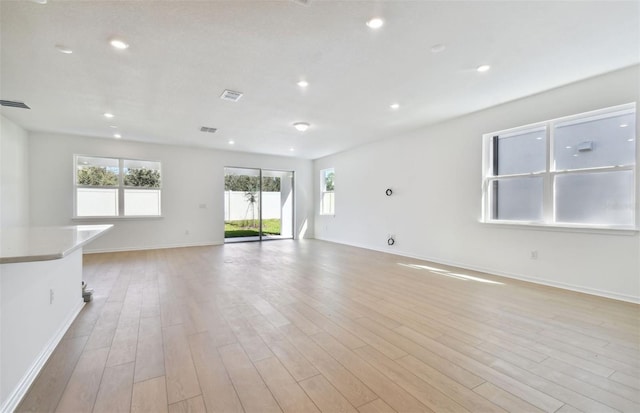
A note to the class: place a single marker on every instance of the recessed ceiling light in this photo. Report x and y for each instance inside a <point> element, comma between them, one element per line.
<point>232,142</point>
<point>567,147</point>
<point>394,106</point>
<point>303,83</point>
<point>539,138</point>
<point>301,126</point>
<point>375,23</point>
<point>483,68</point>
<point>117,135</point>
<point>437,48</point>
<point>291,149</point>
<point>108,115</point>
<point>63,49</point>
<point>119,44</point>
<point>623,125</point>
<point>113,126</point>
<point>39,1</point>
<point>630,140</point>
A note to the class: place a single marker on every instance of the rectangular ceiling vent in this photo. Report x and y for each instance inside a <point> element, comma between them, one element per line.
<point>208,129</point>
<point>303,2</point>
<point>13,104</point>
<point>231,95</point>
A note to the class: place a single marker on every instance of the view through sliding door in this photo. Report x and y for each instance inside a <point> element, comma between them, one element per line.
<point>258,204</point>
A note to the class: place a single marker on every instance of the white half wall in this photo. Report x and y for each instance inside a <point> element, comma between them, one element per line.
<point>14,169</point>
<point>434,212</point>
<point>38,300</point>
<point>192,193</point>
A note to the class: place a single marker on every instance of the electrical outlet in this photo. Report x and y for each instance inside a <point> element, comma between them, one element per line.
<point>51,296</point>
<point>534,254</point>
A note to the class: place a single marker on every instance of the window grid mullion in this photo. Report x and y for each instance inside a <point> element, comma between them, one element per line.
<point>548,204</point>
<point>121,187</point>
<point>98,186</point>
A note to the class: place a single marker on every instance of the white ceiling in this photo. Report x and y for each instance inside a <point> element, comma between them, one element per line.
<point>183,54</point>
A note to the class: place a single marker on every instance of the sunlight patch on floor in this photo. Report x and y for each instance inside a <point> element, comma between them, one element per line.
<point>447,273</point>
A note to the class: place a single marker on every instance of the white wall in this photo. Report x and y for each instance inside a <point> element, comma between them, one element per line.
<point>14,173</point>
<point>435,208</point>
<point>190,177</point>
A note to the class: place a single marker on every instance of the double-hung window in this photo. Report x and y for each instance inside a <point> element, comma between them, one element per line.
<point>577,171</point>
<point>327,194</point>
<point>114,187</point>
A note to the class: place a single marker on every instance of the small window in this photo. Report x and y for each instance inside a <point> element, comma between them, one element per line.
<point>112,187</point>
<point>514,188</point>
<point>573,171</point>
<point>517,199</point>
<point>141,188</point>
<point>327,194</point>
<point>595,198</point>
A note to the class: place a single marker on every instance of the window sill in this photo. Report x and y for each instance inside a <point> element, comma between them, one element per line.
<point>128,218</point>
<point>625,231</point>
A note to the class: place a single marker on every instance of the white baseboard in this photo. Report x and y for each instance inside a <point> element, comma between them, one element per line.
<point>154,247</point>
<point>541,281</point>
<point>492,271</point>
<point>11,403</point>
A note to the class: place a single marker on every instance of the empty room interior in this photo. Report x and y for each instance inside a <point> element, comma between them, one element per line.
<point>319,206</point>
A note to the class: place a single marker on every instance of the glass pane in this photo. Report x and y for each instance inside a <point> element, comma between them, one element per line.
<point>604,198</point>
<point>271,211</point>
<point>525,152</point>
<point>596,141</point>
<point>328,203</point>
<point>242,203</point>
<point>517,199</point>
<point>277,204</point>
<point>327,182</point>
<point>96,171</point>
<point>141,202</point>
<point>97,202</point>
<point>142,174</point>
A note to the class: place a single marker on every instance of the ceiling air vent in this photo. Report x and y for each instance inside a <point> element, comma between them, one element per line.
<point>208,129</point>
<point>231,95</point>
<point>303,2</point>
<point>13,104</point>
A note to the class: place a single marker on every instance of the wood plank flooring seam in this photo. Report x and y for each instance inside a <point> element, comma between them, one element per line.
<point>311,323</point>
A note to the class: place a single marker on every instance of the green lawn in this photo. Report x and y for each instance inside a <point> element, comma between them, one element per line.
<point>233,229</point>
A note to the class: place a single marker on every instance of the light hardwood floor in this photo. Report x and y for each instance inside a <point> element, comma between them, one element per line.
<point>308,326</point>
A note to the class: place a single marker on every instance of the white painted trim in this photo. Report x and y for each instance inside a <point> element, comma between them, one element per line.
<point>153,247</point>
<point>11,403</point>
<point>541,281</point>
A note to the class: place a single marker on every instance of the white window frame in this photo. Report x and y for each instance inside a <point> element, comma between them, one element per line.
<point>549,175</point>
<point>121,189</point>
<point>323,192</point>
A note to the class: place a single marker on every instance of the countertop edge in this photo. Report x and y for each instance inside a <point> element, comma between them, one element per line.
<point>55,255</point>
<point>34,258</point>
<point>86,241</point>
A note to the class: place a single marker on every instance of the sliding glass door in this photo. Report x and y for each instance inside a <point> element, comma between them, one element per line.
<point>258,204</point>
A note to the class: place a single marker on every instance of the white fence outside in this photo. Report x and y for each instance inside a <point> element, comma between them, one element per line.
<point>97,202</point>
<point>237,207</point>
